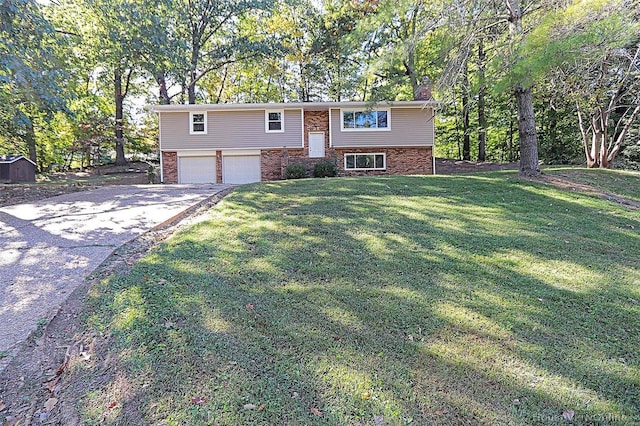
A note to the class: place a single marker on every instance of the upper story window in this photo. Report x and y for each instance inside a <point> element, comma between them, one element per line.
<point>274,121</point>
<point>198,123</point>
<point>379,119</point>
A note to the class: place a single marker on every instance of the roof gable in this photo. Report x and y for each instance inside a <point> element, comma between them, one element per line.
<point>8,159</point>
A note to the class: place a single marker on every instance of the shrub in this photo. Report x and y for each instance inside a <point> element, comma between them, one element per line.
<point>325,169</point>
<point>295,171</point>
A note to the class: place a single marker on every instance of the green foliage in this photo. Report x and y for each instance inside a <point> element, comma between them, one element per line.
<point>325,169</point>
<point>31,73</point>
<point>631,156</point>
<point>295,171</point>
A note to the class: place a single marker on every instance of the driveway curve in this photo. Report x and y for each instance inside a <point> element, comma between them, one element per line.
<point>48,247</point>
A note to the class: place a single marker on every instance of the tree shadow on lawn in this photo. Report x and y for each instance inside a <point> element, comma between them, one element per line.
<point>398,298</point>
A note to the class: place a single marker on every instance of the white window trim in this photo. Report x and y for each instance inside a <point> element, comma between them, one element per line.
<point>191,114</point>
<point>266,120</point>
<point>384,156</point>
<point>364,129</point>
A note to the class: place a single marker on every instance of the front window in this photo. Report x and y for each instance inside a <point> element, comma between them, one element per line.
<point>365,162</point>
<point>198,123</point>
<point>274,121</point>
<point>365,120</point>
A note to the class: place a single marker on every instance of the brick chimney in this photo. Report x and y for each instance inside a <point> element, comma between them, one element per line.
<point>423,91</point>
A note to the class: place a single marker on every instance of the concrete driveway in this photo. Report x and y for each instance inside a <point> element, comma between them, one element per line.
<point>48,247</point>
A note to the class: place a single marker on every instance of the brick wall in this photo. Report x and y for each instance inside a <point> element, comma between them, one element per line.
<point>219,166</point>
<point>316,121</point>
<point>400,161</point>
<point>170,167</point>
<point>274,162</point>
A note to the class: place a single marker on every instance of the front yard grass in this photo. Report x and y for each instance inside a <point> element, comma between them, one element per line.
<point>391,300</point>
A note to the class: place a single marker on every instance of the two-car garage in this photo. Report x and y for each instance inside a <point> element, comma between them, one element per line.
<point>238,167</point>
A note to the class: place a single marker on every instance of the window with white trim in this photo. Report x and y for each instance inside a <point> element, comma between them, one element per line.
<point>274,121</point>
<point>366,120</point>
<point>377,161</point>
<point>198,123</point>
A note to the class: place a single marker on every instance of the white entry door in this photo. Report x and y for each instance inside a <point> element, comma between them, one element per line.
<point>316,145</point>
<point>241,169</point>
<point>197,169</point>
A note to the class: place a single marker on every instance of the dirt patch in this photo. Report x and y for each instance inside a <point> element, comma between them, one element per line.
<point>567,184</point>
<point>54,184</point>
<point>37,386</point>
<point>446,166</point>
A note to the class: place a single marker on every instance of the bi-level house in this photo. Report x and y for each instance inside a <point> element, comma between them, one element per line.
<point>242,143</point>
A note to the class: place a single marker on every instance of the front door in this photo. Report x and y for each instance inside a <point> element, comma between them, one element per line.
<point>316,145</point>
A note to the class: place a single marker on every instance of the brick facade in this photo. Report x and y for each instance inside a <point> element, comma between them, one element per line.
<point>400,161</point>
<point>170,167</point>
<point>219,166</point>
<point>274,162</point>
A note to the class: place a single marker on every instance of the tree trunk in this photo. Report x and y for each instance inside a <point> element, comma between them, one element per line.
<point>191,89</point>
<point>466,138</point>
<point>482,118</point>
<point>524,100</point>
<point>119,131</point>
<point>511,157</point>
<point>30,139</point>
<point>527,132</point>
<point>164,94</point>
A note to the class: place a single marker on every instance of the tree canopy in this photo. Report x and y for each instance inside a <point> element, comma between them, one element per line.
<point>534,81</point>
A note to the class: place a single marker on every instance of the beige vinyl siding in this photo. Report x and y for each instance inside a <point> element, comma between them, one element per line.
<point>229,130</point>
<point>409,127</point>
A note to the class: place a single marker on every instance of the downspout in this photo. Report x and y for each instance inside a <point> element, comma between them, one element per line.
<point>433,147</point>
<point>433,158</point>
<point>160,149</point>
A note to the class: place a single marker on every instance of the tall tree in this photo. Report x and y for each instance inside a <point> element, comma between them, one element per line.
<point>482,91</point>
<point>523,93</point>
<point>215,38</point>
<point>113,33</point>
<point>30,73</point>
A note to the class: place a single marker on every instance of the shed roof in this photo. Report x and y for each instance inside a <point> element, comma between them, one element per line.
<point>7,159</point>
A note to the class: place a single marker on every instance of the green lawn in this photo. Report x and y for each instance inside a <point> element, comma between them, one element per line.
<point>394,300</point>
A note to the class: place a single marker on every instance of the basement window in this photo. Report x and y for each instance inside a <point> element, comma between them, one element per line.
<point>365,161</point>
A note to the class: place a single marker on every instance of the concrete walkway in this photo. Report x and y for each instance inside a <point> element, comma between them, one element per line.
<point>47,248</point>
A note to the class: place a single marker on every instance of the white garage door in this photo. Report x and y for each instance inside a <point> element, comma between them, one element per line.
<point>241,169</point>
<point>197,170</point>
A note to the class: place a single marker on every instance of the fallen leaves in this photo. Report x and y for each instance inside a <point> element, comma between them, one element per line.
<point>2,405</point>
<point>50,403</point>
<point>52,384</point>
<point>112,405</point>
<point>568,415</point>
<point>197,400</point>
<point>254,407</point>
<point>316,412</point>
